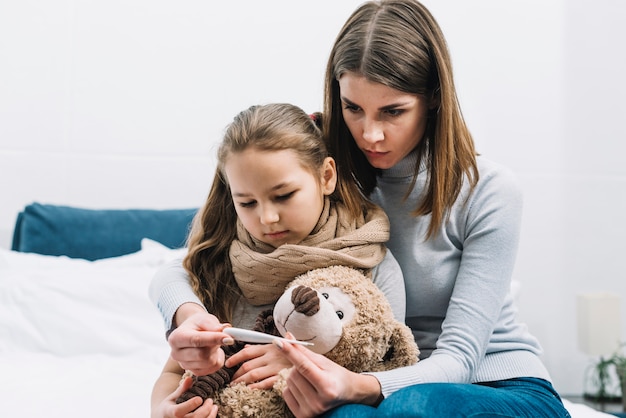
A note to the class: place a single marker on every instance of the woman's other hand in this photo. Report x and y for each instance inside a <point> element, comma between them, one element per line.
<point>316,384</point>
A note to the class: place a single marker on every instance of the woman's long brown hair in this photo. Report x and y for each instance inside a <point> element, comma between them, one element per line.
<point>399,44</point>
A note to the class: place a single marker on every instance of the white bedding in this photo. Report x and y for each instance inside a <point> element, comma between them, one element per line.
<point>79,338</point>
<point>82,339</point>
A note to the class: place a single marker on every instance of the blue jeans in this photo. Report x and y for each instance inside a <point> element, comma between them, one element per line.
<point>514,398</point>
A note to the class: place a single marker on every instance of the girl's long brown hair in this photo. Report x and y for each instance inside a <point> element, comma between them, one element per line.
<point>399,44</point>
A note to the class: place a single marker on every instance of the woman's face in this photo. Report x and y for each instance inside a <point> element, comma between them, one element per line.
<point>387,124</point>
<point>277,200</point>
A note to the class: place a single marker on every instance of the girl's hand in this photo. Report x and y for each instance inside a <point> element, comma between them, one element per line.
<point>260,365</point>
<point>317,384</point>
<point>169,409</point>
<point>195,344</point>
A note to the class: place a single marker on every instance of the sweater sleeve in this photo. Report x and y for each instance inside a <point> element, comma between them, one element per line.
<point>169,289</point>
<point>387,276</point>
<point>486,229</point>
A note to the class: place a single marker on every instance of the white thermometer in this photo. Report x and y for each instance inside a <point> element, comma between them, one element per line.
<point>250,336</point>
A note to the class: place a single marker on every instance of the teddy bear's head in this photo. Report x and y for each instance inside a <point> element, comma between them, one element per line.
<point>347,318</point>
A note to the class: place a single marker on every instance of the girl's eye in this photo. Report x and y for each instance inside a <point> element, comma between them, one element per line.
<point>247,204</point>
<point>285,196</point>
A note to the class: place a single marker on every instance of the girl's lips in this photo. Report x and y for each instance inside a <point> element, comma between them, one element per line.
<point>277,235</point>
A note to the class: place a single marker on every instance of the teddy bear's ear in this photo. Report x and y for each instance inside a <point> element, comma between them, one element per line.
<point>265,323</point>
<point>402,351</point>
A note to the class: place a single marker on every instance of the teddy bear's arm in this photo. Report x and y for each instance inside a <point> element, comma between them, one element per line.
<point>208,386</point>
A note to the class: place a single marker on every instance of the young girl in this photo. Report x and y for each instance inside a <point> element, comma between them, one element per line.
<point>273,212</point>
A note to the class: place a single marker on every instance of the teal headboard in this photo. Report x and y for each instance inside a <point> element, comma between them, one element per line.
<point>97,233</point>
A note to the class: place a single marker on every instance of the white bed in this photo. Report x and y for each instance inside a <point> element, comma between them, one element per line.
<point>81,338</point>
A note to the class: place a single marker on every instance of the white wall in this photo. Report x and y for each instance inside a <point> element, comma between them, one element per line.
<point>119,103</point>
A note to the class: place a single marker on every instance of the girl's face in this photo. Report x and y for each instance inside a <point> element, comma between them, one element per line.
<point>276,198</point>
<point>387,124</point>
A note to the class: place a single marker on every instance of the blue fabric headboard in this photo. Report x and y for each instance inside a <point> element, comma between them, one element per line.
<point>94,234</point>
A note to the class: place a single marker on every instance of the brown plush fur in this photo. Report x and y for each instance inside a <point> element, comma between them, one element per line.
<point>372,341</point>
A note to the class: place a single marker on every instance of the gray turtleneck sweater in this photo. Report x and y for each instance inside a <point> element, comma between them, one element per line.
<point>459,303</point>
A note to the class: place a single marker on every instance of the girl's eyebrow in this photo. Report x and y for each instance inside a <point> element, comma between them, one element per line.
<point>382,109</point>
<point>274,188</point>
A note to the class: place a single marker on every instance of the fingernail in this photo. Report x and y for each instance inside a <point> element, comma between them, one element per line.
<point>278,343</point>
<point>228,341</point>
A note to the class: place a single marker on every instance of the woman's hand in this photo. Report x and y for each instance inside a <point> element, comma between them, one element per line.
<point>195,343</point>
<point>316,384</point>
<point>260,365</point>
<point>192,408</point>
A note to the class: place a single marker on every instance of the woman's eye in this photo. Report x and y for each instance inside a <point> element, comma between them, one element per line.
<point>339,314</point>
<point>351,108</point>
<point>394,112</point>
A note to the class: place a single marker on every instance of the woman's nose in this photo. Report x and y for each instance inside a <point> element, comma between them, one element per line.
<point>373,131</point>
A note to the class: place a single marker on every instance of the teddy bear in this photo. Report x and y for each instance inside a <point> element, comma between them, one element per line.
<point>337,309</point>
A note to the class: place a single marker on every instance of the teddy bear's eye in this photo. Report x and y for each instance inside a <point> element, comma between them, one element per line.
<point>325,295</point>
<point>339,314</point>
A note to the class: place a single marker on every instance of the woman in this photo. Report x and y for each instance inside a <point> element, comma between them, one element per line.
<point>393,123</point>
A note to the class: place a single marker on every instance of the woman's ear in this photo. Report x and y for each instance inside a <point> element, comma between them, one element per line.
<point>329,176</point>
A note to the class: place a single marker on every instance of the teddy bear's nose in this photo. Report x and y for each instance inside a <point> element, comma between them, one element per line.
<point>305,300</point>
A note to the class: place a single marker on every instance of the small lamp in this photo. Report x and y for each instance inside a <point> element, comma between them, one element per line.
<point>599,329</point>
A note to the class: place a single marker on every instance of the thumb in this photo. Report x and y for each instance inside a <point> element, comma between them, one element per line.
<point>183,386</point>
<point>192,403</point>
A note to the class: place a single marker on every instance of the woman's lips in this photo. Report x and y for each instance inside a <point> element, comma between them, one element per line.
<point>375,154</point>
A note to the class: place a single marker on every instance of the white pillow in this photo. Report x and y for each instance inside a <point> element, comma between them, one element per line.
<point>69,306</point>
<point>152,253</point>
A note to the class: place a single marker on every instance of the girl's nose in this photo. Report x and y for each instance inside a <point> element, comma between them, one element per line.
<point>372,131</point>
<point>269,215</point>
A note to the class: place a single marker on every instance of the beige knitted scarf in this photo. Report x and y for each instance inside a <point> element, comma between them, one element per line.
<point>262,271</point>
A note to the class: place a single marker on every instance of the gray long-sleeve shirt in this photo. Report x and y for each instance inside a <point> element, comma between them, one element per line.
<point>459,303</point>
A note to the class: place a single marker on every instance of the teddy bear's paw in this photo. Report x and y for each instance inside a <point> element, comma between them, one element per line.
<point>206,386</point>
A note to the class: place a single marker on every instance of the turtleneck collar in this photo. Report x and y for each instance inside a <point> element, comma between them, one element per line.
<point>405,167</point>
